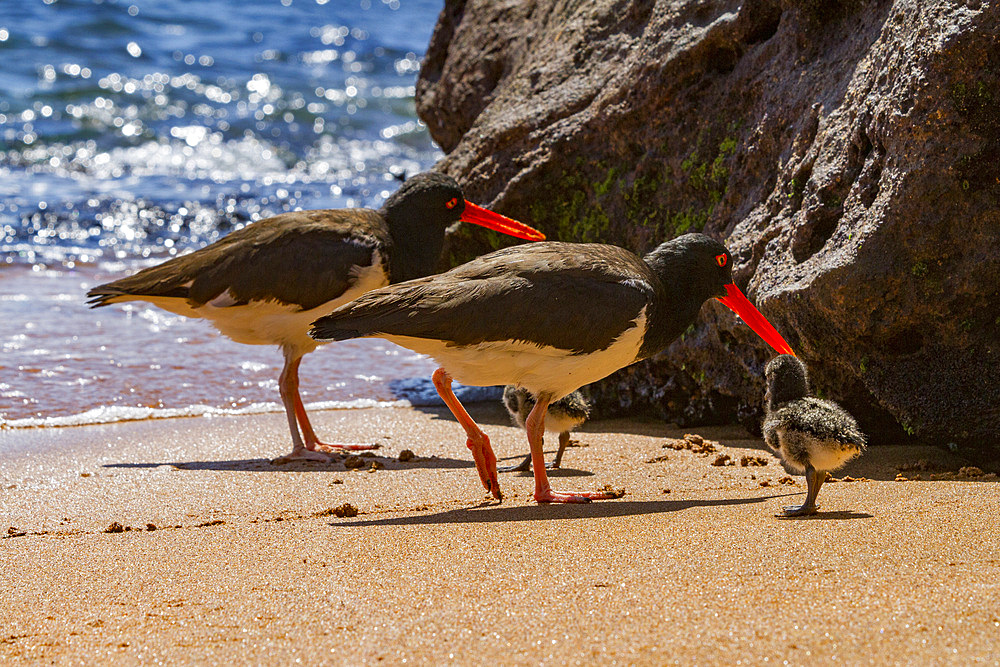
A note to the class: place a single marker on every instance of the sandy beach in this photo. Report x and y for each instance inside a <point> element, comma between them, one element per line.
<point>224,557</point>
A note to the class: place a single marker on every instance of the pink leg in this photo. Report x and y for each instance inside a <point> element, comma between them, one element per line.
<point>478,442</point>
<point>311,441</point>
<point>535,426</point>
<point>288,385</point>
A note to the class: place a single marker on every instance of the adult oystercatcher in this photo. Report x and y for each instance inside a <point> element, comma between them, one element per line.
<point>549,317</point>
<point>811,435</point>
<point>562,417</point>
<point>264,284</point>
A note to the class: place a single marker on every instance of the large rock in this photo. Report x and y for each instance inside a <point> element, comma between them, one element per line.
<point>848,153</point>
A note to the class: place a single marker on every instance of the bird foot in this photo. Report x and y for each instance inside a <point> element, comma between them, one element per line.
<point>801,510</point>
<point>523,466</point>
<point>302,455</point>
<point>486,464</point>
<point>337,447</point>
<point>580,497</point>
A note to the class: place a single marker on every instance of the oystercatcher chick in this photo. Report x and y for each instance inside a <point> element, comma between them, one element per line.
<point>563,416</point>
<point>265,283</point>
<point>548,317</point>
<point>809,434</point>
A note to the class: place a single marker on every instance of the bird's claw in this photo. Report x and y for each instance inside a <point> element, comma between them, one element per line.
<point>337,447</point>
<point>553,497</point>
<point>800,510</point>
<point>302,455</point>
<point>486,464</point>
<point>523,466</point>
<point>579,497</point>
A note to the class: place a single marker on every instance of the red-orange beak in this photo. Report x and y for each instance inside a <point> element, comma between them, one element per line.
<point>478,215</point>
<point>740,305</point>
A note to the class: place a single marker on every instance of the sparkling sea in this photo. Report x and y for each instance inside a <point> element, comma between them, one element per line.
<point>134,130</point>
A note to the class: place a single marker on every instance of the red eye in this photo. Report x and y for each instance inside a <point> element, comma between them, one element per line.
<point>720,260</point>
<point>452,203</point>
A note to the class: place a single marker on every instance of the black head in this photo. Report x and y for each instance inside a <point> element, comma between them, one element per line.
<point>703,261</point>
<point>518,402</point>
<point>695,268</point>
<point>787,380</point>
<point>419,213</point>
<point>429,199</point>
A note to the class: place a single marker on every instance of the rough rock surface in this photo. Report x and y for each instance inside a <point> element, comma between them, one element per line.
<point>846,152</point>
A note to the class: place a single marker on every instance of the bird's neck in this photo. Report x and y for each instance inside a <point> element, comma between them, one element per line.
<point>785,392</point>
<point>684,291</point>
<point>416,249</point>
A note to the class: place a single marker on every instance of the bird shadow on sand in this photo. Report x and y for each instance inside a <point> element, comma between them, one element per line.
<point>552,472</point>
<point>266,465</point>
<point>492,512</point>
<point>827,516</point>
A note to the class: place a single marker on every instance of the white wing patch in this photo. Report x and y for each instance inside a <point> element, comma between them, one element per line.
<point>224,300</point>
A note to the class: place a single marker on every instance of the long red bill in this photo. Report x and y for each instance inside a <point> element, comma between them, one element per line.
<point>740,305</point>
<point>484,217</point>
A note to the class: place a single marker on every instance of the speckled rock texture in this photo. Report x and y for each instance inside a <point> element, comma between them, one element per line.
<point>846,152</point>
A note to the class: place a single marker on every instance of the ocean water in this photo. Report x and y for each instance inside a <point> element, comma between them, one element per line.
<point>134,130</point>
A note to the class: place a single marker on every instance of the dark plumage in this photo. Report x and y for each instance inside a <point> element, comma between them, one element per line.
<point>548,317</point>
<point>811,435</point>
<point>563,416</point>
<point>265,283</point>
<point>460,306</point>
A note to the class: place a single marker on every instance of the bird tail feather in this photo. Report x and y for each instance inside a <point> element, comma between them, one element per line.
<point>329,331</point>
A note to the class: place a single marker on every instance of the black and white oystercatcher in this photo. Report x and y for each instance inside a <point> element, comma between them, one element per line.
<point>548,317</point>
<point>562,417</point>
<point>264,284</point>
<point>811,435</point>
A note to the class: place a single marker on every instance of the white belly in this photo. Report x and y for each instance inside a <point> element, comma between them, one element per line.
<point>798,449</point>
<point>560,423</point>
<point>537,368</point>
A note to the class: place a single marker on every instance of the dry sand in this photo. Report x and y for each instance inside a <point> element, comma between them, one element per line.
<point>247,564</point>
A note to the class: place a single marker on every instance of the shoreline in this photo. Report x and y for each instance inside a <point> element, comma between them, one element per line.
<point>691,565</point>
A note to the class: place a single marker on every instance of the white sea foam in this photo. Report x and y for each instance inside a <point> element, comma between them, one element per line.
<point>119,413</point>
<point>413,392</point>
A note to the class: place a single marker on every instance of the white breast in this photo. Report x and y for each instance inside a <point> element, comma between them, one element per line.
<point>556,422</point>
<point>800,449</point>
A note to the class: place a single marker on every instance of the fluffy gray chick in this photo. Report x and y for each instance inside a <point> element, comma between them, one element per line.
<point>562,417</point>
<point>811,435</point>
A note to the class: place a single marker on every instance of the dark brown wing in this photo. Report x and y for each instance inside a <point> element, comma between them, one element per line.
<point>576,297</point>
<point>303,258</point>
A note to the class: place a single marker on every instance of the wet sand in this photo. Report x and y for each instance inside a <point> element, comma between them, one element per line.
<point>248,563</point>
